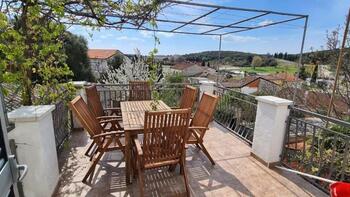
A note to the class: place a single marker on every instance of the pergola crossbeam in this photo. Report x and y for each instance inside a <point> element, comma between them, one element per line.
<point>191,21</point>
<point>238,22</point>
<point>269,24</point>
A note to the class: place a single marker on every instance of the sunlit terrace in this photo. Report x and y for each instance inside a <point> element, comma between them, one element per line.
<point>235,173</point>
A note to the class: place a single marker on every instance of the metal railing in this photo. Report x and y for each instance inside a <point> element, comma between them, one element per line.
<point>62,124</point>
<point>236,111</point>
<point>317,145</point>
<point>112,94</point>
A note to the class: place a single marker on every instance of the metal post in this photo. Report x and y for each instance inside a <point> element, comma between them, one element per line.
<point>219,61</point>
<point>339,63</point>
<point>300,57</point>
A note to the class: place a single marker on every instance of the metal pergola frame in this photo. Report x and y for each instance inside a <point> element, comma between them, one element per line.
<point>215,8</point>
<point>232,28</point>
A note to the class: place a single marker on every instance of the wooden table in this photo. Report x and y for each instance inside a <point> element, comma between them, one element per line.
<point>133,113</point>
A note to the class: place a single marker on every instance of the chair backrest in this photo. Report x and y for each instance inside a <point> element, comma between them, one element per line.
<point>205,110</point>
<point>188,97</point>
<point>139,90</point>
<point>93,100</point>
<point>85,116</point>
<point>165,133</point>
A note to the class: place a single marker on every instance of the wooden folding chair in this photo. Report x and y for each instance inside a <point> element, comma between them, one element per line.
<point>102,114</point>
<point>201,120</point>
<point>94,103</point>
<point>188,97</point>
<point>165,134</point>
<point>139,90</point>
<point>105,139</point>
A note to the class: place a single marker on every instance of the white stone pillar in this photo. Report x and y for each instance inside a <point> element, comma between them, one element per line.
<point>80,91</point>
<point>269,130</point>
<point>35,141</point>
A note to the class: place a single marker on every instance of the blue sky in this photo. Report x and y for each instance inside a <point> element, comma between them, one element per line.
<point>323,15</point>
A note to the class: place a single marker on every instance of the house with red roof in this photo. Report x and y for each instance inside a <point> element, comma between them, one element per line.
<point>99,59</point>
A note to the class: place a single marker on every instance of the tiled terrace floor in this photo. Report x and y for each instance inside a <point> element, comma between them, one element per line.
<point>236,173</point>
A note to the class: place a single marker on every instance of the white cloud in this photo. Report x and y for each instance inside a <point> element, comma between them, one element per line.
<point>237,38</point>
<point>149,34</point>
<point>146,34</point>
<point>265,22</point>
<point>129,38</point>
<point>165,34</point>
<point>108,35</point>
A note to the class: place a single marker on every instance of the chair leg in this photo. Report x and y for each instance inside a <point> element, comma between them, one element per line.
<point>92,166</point>
<point>206,153</point>
<point>140,181</point>
<point>198,146</point>
<point>183,172</point>
<point>95,161</point>
<point>93,153</point>
<point>89,149</point>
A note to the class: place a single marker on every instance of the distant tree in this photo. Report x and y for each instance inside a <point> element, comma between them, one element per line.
<point>303,74</point>
<point>203,63</point>
<point>285,56</point>
<point>116,61</point>
<point>314,74</point>
<point>76,48</point>
<point>249,59</point>
<point>280,55</point>
<point>257,61</point>
<point>208,64</point>
<point>269,61</point>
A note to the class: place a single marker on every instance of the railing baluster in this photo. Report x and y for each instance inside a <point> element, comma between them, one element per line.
<point>345,161</point>
<point>334,149</point>
<point>312,146</point>
<point>304,145</point>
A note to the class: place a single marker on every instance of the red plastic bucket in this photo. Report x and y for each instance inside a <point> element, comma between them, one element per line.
<point>340,189</point>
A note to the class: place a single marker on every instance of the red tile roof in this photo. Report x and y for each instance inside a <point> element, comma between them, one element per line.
<point>239,83</point>
<point>101,53</point>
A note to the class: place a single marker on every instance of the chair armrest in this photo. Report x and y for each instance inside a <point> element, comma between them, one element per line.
<point>138,147</point>
<point>106,134</point>
<point>111,108</point>
<point>109,120</point>
<point>108,117</point>
<point>174,107</point>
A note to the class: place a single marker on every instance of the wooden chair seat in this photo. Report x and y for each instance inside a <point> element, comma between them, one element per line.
<point>165,135</point>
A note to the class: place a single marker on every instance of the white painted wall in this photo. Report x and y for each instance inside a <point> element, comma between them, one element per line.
<point>248,90</point>
<point>35,140</point>
<point>270,126</point>
<point>206,86</point>
<point>98,66</point>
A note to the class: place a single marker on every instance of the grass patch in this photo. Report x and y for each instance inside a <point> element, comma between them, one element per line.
<point>271,69</point>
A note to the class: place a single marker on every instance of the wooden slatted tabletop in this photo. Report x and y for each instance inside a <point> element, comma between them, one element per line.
<point>133,113</point>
